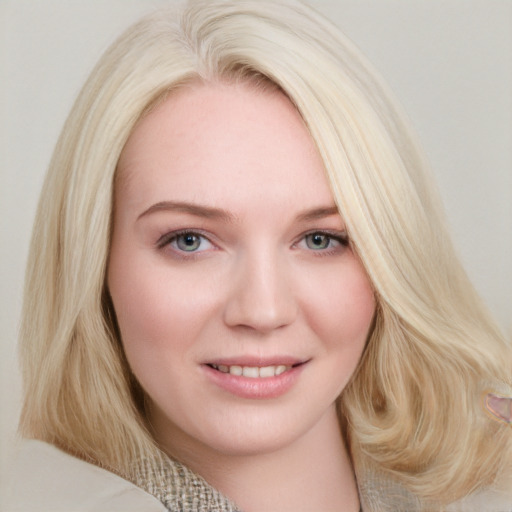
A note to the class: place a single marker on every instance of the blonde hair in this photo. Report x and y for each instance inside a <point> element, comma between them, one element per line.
<point>413,406</point>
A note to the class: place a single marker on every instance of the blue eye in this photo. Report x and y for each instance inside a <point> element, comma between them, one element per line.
<point>318,241</point>
<point>321,241</point>
<point>185,242</point>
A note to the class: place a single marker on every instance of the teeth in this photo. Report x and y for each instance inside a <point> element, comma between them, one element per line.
<point>281,369</point>
<point>267,371</point>
<point>236,370</point>
<point>252,372</point>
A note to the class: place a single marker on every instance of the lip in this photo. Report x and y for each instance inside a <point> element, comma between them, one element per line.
<point>258,361</point>
<point>255,388</point>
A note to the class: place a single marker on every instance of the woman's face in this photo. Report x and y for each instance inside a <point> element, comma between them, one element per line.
<point>242,309</point>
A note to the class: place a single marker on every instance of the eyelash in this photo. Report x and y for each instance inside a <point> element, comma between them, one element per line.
<point>169,238</point>
<point>336,236</point>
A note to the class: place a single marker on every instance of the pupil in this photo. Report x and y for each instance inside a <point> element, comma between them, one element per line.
<point>317,241</point>
<point>190,240</point>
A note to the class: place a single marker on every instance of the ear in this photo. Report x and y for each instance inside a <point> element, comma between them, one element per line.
<point>499,407</point>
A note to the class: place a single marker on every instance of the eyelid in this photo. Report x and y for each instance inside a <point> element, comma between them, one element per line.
<point>340,236</point>
<point>166,239</point>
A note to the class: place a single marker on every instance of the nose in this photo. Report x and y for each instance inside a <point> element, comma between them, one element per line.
<point>261,296</point>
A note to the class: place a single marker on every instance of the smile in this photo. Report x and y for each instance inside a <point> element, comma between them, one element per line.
<point>252,372</point>
<point>251,379</point>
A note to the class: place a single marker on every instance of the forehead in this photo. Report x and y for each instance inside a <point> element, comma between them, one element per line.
<point>218,141</point>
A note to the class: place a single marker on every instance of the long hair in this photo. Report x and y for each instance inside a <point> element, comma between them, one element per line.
<point>413,407</point>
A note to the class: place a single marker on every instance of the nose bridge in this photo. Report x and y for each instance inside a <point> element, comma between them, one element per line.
<point>261,296</point>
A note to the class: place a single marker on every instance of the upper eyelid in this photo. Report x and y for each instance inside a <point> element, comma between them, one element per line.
<point>166,238</point>
<point>333,233</point>
<point>171,235</point>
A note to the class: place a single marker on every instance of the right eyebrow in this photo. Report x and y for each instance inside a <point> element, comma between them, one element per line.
<point>197,210</point>
<point>318,213</point>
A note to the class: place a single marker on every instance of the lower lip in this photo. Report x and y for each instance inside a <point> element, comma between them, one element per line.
<point>255,388</point>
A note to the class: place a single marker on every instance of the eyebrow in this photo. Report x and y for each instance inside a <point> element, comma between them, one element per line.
<point>197,210</point>
<point>318,213</point>
<point>210,212</point>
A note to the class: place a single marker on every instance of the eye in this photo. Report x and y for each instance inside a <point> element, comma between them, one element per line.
<point>185,242</point>
<point>318,241</point>
<point>322,241</point>
<point>188,242</point>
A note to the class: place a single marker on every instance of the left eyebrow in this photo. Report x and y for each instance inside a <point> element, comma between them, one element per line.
<point>317,213</point>
<point>197,210</point>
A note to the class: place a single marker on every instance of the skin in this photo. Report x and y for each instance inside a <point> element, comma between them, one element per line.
<point>236,169</point>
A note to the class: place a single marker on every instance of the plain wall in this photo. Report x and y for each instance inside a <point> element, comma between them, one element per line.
<point>448,61</point>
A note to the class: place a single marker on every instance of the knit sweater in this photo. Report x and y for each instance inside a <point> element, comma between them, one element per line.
<point>45,479</point>
<point>180,489</point>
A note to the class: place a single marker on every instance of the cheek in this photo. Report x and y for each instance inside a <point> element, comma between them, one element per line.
<point>159,312</point>
<point>343,308</point>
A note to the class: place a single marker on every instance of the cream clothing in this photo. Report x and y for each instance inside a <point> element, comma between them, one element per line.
<point>381,494</point>
<point>45,479</point>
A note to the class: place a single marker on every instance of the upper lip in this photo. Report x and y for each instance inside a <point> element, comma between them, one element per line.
<point>255,361</point>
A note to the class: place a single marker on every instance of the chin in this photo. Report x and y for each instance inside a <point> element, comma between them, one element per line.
<point>252,433</point>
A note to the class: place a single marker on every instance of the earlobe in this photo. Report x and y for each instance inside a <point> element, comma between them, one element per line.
<point>498,407</point>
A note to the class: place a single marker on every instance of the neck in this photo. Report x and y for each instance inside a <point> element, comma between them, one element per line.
<point>312,473</point>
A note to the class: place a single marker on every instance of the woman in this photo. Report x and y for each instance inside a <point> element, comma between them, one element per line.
<point>241,293</point>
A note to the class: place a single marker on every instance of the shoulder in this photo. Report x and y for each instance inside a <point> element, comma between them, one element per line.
<point>488,501</point>
<point>43,478</point>
<point>392,497</point>
<point>381,493</point>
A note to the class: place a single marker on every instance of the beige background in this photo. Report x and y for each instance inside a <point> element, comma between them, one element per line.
<point>448,61</point>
